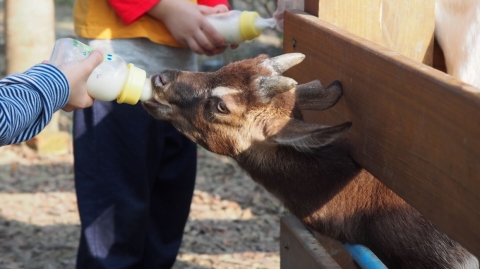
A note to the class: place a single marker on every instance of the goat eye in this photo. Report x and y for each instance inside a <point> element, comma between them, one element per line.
<point>221,107</point>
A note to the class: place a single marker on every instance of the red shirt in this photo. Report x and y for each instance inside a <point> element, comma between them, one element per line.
<point>131,10</point>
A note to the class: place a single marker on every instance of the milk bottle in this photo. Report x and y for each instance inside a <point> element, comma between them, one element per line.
<point>238,26</point>
<point>112,79</point>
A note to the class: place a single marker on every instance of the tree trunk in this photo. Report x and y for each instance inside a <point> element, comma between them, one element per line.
<point>29,38</point>
<point>29,33</point>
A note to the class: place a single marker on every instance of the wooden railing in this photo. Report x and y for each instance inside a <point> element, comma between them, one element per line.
<point>415,128</point>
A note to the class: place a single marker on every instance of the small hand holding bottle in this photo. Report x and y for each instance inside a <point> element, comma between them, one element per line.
<point>188,25</point>
<point>77,74</point>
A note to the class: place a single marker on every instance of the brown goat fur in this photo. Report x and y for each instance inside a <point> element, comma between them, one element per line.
<point>248,111</point>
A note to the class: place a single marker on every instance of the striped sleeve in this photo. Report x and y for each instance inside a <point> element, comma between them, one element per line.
<point>28,101</point>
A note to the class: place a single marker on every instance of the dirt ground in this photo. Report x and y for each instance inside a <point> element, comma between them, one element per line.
<point>233,222</point>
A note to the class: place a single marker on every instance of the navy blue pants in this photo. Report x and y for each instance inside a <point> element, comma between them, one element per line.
<point>134,180</point>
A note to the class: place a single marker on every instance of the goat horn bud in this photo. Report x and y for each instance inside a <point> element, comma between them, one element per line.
<point>282,63</point>
<point>271,86</point>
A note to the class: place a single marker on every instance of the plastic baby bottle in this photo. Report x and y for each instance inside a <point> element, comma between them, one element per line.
<point>112,79</point>
<point>238,26</point>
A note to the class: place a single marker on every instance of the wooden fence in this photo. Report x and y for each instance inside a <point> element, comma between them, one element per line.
<point>415,128</point>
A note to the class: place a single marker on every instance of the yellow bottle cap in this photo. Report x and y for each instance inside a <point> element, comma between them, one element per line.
<point>247,25</point>
<point>132,90</point>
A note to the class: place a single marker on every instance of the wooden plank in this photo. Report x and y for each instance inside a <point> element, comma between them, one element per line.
<point>335,249</point>
<point>311,7</point>
<point>414,127</point>
<point>404,26</point>
<point>299,249</point>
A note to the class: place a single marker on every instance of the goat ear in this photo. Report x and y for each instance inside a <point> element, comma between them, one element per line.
<point>312,95</point>
<point>282,63</point>
<point>270,86</point>
<point>303,135</point>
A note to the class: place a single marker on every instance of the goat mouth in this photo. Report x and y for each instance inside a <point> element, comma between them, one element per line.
<point>156,104</point>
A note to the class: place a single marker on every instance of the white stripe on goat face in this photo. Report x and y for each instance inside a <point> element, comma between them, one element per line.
<point>221,91</point>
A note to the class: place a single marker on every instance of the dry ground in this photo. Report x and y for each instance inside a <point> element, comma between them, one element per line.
<point>233,222</point>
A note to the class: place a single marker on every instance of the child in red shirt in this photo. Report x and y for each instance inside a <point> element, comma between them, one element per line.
<point>134,175</point>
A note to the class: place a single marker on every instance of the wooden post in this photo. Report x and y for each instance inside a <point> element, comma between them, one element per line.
<point>29,33</point>
<point>404,26</point>
<point>29,38</point>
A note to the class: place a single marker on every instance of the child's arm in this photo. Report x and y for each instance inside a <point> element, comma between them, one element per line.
<point>28,100</point>
<point>184,19</point>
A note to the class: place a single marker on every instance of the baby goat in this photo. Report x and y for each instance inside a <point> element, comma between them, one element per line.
<point>248,111</point>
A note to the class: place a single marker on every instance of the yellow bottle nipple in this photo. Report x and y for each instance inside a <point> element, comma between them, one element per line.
<point>132,90</point>
<point>247,25</point>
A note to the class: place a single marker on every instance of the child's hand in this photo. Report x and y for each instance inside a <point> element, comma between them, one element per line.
<point>188,25</point>
<point>206,10</point>
<point>77,74</point>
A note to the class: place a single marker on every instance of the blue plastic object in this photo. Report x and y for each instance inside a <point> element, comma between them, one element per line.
<point>364,257</point>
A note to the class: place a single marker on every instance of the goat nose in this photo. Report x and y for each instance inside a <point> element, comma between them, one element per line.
<point>159,81</point>
<point>167,76</point>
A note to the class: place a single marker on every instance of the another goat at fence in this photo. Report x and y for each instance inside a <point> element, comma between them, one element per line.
<point>457,29</point>
<point>248,111</point>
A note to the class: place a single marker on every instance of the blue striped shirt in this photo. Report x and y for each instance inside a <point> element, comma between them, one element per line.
<point>28,101</point>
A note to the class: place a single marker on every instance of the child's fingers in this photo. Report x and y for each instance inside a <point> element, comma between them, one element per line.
<point>221,8</point>
<point>206,10</point>
<point>93,60</point>
<point>193,45</point>
<point>212,33</point>
<point>203,41</point>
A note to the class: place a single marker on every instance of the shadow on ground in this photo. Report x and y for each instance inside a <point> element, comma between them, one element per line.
<point>233,222</point>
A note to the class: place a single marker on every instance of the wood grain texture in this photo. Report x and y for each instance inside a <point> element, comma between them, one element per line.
<point>300,249</point>
<point>415,128</point>
<point>404,26</point>
<point>335,249</point>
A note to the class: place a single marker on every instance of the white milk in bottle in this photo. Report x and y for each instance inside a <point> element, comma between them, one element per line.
<point>112,79</point>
